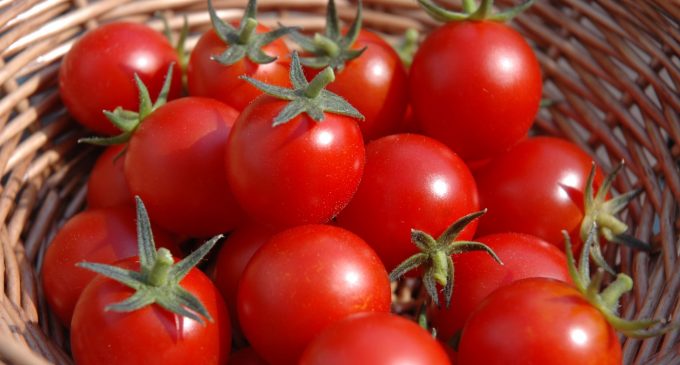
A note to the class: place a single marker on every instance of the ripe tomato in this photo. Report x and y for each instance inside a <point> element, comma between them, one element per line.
<point>301,281</point>
<point>477,275</point>
<point>550,322</point>
<point>476,86</point>
<point>374,338</point>
<point>299,172</point>
<point>152,334</point>
<point>537,188</point>
<point>106,185</point>
<point>101,235</point>
<point>175,163</point>
<point>96,74</point>
<point>410,182</point>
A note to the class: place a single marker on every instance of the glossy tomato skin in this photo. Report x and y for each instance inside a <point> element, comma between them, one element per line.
<point>477,275</point>
<point>103,235</point>
<point>374,338</point>
<point>97,73</point>
<point>410,181</point>
<point>301,281</point>
<point>175,163</point>
<point>106,185</point>
<point>295,173</point>
<point>476,86</point>
<point>152,334</point>
<point>549,321</point>
<point>376,84</point>
<point>207,77</point>
<point>537,188</point>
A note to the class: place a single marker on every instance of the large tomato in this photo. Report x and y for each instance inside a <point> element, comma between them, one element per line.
<point>374,338</point>
<point>101,235</point>
<point>410,182</point>
<point>97,73</point>
<point>537,188</point>
<point>301,281</point>
<point>476,86</point>
<point>538,321</point>
<point>106,185</point>
<point>175,163</point>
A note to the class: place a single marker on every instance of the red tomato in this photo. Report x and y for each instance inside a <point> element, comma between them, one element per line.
<point>537,188</point>
<point>538,321</point>
<point>301,281</point>
<point>106,186</point>
<point>150,335</point>
<point>246,356</point>
<point>299,172</point>
<point>374,338</point>
<point>410,181</point>
<point>476,86</point>
<point>477,275</point>
<point>100,235</point>
<point>207,77</point>
<point>175,163</point>
<point>97,73</point>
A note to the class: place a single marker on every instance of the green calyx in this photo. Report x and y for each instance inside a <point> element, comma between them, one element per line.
<point>128,121</point>
<point>472,11</point>
<point>306,97</point>
<point>331,48</point>
<point>158,280</point>
<point>406,49</point>
<point>607,300</point>
<point>244,41</point>
<point>435,257</point>
<point>601,214</point>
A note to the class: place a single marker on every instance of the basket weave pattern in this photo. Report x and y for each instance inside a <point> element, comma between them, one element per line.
<point>611,68</point>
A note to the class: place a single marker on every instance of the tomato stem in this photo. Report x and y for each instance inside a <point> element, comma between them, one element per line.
<point>248,30</point>
<point>328,45</point>
<point>613,293</point>
<point>483,11</point>
<point>158,276</point>
<point>319,82</point>
<point>469,6</point>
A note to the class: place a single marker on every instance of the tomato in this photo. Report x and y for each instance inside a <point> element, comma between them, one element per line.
<point>374,338</point>
<point>410,182</point>
<point>477,275</point>
<point>106,185</point>
<point>246,356</point>
<point>96,74</point>
<point>301,281</point>
<point>232,259</point>
<point>476,86</point>
<point>537,188</point>
<point>538,321</point>
<point>152,334</point>
<point>102,235</point>
<point>175,163</point>
<point>299,172</point>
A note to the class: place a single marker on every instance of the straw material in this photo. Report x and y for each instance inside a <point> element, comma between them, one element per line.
<point>612,68</point>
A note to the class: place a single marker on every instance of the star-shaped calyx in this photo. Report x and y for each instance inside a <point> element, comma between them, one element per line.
<point>472,11</point>
<point>435,257</point>
<point>244,41</point>
<point>331,48</point>
<point>307,97</point>
<point>158,280</point>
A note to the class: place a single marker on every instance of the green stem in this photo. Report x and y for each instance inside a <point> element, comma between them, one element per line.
<point>247,31</point>
<point>328,45</point>
<point>469,6</point>
<point>612,293</point>
<point>158,275</point>
<point>611,222</point>
<point>440,267</point>
<point>319,83</point>
<point>484,10</point>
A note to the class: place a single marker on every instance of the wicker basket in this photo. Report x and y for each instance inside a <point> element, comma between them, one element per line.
<point>611,66</point>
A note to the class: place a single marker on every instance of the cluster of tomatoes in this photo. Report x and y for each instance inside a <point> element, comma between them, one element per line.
<point>333,172</point>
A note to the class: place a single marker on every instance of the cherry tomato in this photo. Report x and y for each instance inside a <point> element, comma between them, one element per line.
<point>476,86</point>
<point>103,235</point>
<point>299,172</point>
<point>537,188</point>
<point>374,338</point>
<point>301,281</point>
<point>150,335</point>
<point>175,163</point>
<point>538,321</point>
<point>410,182</point>
<point>207,77</point>
<point>106,185</point>
<point>477,275</point>
<point>97,73</point>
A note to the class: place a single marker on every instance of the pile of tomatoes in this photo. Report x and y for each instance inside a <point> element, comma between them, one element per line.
<point>327,169</point>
